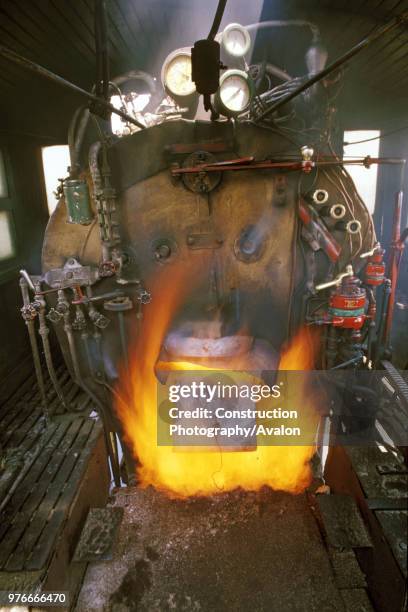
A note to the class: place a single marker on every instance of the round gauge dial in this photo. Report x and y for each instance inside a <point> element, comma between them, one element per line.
<point>235,92</point>
<point>176,74</point>
<point>236,40</point>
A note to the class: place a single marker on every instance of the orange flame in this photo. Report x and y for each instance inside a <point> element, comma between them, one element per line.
<point>200,470</point>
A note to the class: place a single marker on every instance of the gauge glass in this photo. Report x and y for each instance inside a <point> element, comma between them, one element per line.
<point>177,75</point>
<point>236,40</point>
<point>234,93</point>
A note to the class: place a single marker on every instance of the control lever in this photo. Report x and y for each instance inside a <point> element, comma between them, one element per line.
<point>375,248</point>
<point>336,281</point>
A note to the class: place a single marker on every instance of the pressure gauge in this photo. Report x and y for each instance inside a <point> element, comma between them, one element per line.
<point>236,40</point>
<point>234,94</point>
<point>176,74</point>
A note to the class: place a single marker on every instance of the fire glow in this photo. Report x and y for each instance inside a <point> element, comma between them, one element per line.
<point>184,472</point>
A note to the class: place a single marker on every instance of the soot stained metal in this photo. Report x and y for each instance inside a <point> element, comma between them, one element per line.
<point>261,210</point>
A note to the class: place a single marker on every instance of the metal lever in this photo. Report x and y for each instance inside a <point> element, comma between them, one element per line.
<point>28,278</point>
<point>376,248</point>
<point>336,281</point>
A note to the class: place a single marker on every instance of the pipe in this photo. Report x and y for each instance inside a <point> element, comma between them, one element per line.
<point>34,347</point>
<point>390,25</point>
<point>279,23</point>
<point>372,309</point>
<point>44,331</point>
<point>102,52</point>
<point>81,383</point>
<point>28,279</point>
<point>352,361</point>
<point>393,267</point>
<point>62,301</point>
<point>383,317</point>
<point>217,19</point>
<point>112,450</point>
<point>27,64</point>
<point>97,189</point>
<point>76,133</point>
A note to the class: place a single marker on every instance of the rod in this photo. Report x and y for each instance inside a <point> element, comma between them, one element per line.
<point>27,64</point>
<point>80,381</point>
<point>34,346</point>
<point>238,165</point>
<point>44,331</point>
<point>393,266</point>
<point>123,341</point>
<point>384,308</point>
<point>390,25</point>
<point>217,19</point>
<point>101,409</point>
<point>102,55</point>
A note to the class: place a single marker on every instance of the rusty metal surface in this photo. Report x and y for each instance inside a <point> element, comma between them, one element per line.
<point>241,234</point>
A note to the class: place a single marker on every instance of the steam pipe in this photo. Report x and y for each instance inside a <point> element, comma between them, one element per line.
<point>62,301</point>
<point>28,279</point>
<point>34,346</point>
<point>217,19</point>
<point>396,248</point>
<point>102,55</point>
<point>83,385</point>
<point>112,451</point>
<point>383,317</point>
<point>76,133</point>
<point>390,25</point>
<point>44,331</point>
<point>27,64</point>
<point>371,323</point>
<point>279,23</point>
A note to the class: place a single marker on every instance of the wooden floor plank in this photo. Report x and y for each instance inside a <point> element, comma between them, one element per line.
<point>27,402</point>
<point>27,386</point>
<point>22,520</point>
<point>17,437</point>
<point>33,444</point>
<point>28,498</point>
<point>41,551</point>
<point>16,415</point>
<point>69,468</point>
<point>52,457</point>
<point>51,440</point>
<point>28,390</point>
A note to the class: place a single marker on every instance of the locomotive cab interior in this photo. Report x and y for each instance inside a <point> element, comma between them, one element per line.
<point>204,313</point>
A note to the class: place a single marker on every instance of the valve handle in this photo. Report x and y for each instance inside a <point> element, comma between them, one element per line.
<point>336,281</point>
<point>375,248</point>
